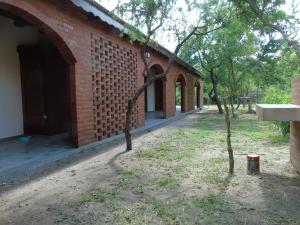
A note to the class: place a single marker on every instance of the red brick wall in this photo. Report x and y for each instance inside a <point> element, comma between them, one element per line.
<point>75,34</point>
<point>170,83</point>
<point>114,81</point>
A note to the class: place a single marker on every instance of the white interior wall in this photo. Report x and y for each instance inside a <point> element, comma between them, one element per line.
<point>151,98</point>
<point>11,113</point>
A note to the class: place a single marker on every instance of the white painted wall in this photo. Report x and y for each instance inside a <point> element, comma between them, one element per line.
<point>151,98</point>
<point>11,114</point>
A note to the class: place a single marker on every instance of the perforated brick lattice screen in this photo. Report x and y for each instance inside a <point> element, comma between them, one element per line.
<point>114,80</point>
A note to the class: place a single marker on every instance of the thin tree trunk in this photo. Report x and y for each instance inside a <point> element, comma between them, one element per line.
<point>229,147</point>
<point>130,104</point>
<point>215,84</point>
<point>238,105</point>
<point>257,91</point>
<point>234,115</point>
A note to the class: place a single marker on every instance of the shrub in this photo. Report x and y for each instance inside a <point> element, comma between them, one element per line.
<point>277,96</point>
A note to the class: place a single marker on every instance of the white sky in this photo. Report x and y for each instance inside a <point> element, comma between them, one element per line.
<point>169,44</point>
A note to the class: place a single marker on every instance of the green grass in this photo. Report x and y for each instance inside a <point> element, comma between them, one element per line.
<point>182,176</point>
<point>218,160</point>
<point>145,154</point>
<point>100,195</point>
<point>211,204</point>
<point>103,194</point>
<point>163,181</point>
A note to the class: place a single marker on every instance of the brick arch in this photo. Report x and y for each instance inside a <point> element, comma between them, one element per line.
<point>51,34</point>
<point>197,83</point>
<point>15,9</point>
<point>159,91</point>
<point>180,78</point>
<point>157,67</point>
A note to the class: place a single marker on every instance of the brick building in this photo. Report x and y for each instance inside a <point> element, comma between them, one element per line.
<point>65,68</point>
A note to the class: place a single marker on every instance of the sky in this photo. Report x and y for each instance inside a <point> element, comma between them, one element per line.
<point>169,44</point>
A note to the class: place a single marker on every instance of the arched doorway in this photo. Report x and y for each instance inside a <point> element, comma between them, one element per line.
<point>197,94</point>
<point>35,78</point>
<point>154,95</point>
<point>180,94</point>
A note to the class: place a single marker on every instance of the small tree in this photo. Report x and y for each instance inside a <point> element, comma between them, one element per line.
<point>226,52</point>
<point>153,16</point>
<point>228,138</point>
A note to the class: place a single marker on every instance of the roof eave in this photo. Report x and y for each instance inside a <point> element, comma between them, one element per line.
<point>104,15</point>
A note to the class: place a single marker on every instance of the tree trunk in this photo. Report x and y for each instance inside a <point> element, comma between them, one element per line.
<point>234,115</point>
<point>229,147</point>
<point>238,105</point>
<point>215,84</point>
<point>250,110</point>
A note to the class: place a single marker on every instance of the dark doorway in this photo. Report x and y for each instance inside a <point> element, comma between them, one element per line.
<point>154,95</point>
<point>197,95</point>
<point>44,76</point>
<point>158,95</point>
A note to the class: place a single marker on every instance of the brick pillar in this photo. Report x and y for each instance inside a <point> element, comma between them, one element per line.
<point>201,94</point>
<point>295,127</point>
<point>169,97</point>
<point>165,112</point>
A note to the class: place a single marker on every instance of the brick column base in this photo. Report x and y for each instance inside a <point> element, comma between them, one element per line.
<point>295,127</point>
<point>295,145</point>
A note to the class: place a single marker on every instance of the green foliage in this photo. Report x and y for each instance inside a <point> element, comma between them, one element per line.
<point>226,52</point>
<point>278,96</point>
<point>275,95</point>
<point>145,15</point>
<point>259,58</point>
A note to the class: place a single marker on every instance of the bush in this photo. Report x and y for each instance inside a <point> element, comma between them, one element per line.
<point>277,96</point>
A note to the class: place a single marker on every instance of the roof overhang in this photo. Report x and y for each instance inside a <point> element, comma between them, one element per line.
<point>107,17</point>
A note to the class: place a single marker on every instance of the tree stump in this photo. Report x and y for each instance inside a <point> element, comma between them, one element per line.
<point>253,164</point>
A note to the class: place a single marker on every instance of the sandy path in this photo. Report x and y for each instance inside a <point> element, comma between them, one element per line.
<point>41,201</point>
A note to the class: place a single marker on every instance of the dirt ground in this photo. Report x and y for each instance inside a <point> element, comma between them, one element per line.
<point>175,175</point>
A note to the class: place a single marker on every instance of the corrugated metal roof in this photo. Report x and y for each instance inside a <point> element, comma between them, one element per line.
<point>96,11</point>
<point>90,6</point>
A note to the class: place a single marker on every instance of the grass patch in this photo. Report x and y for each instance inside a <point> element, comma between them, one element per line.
<point>163,181</point>
<point>218,160</point>
<point>100,195</point>
<point>103,194</point>
<point>179,169</point>
<point>148,154</point>
<point>211,204</point>
<point>217,178</point>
